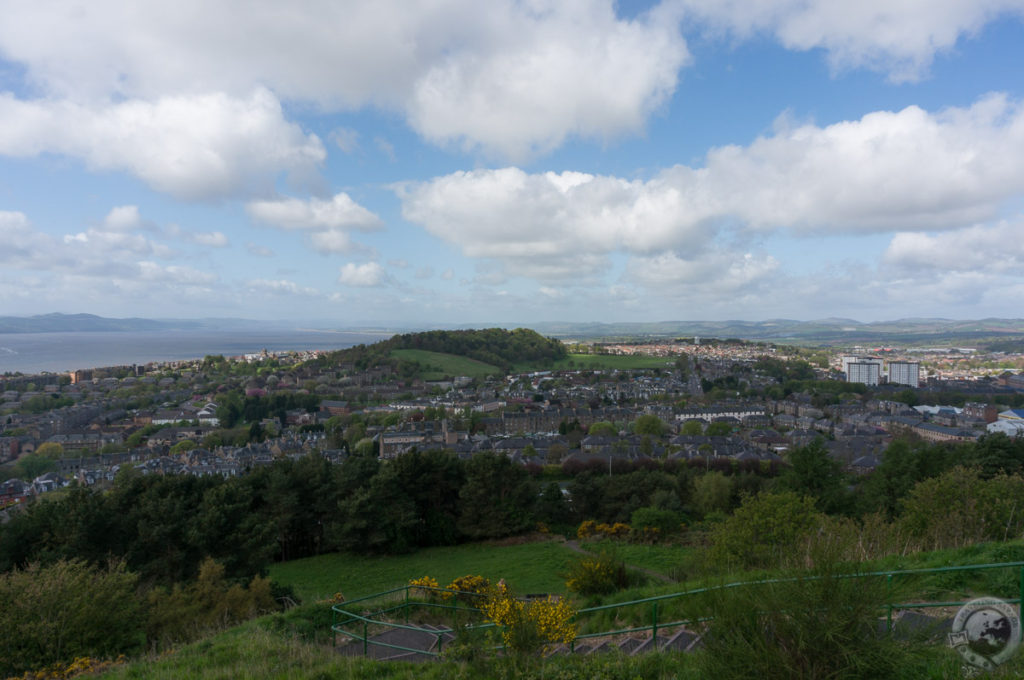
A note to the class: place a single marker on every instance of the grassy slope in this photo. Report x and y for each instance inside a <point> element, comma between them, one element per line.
<point>612,361</point>
<point>253,651</point>
<point>529,568</point>
<point>443,365</point>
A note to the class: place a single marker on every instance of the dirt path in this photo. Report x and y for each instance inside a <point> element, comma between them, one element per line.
<point>575,546</point>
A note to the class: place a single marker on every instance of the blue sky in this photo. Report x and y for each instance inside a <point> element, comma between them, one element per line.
<point>386,162</point>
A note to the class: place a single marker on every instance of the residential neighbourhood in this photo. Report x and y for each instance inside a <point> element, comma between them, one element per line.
<point>713,401</point>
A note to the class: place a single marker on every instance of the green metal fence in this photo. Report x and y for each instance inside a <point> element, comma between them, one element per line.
<point>375,612</point>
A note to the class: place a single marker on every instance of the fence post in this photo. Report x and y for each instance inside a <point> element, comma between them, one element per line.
<point>1020,605</point>
<point>365,636</point>
<point>334,622</point>
<point>654,624</point>
<point>888,602</point>
<point>406,608</point>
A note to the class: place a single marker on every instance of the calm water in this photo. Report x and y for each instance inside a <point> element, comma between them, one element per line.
<point>56,352</point>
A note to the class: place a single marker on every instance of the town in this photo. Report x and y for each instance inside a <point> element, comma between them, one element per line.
<point>697,400</point>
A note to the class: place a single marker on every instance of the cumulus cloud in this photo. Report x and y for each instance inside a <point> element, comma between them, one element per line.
<point>996,248</point>
<point>340,212</point>
<point>507,77</point>
<point>281,287</point>
<point>366,275</point>
<point>888,171</point>
<point>123,218</point>
<point>327,221</point>
<point>572,68</point>
<point>101,261</point>
<point>189,146</point>
<point>900,37</point>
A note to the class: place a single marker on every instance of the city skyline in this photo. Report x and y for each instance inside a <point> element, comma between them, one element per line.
<point>462,162</point>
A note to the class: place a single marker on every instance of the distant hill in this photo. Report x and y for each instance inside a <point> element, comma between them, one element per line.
<point>85,323</point>
<point>1007,334</point>
<point>822,331</point>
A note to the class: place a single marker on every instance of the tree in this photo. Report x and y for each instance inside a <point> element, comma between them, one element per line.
<point>812,472</point>
<point>497,499</point>
<point>50,450</point>
<point>55,613</point>
<point>712,492</point>
<point>649,424</point>
<point>602,428</point>
<point>718,429</point>
<point>765,531</point>
<point>692,427</point>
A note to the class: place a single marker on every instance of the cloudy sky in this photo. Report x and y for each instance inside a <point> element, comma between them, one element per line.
<point>458,161</point>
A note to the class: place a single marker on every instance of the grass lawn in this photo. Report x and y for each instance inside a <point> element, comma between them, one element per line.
<point>662,559</point>
<point>612,361</point>
<point>440,365</point>
<point>528,568</point>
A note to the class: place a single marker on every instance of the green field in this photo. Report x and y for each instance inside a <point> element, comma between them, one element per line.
<point>528,568</point>
<point>612,361</point>
<point>439,365</point>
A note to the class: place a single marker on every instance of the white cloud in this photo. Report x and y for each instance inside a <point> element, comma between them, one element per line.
<point>900,37</point>
<point>190,146</point>
<point>281,287</point>
<point>554,70</point>
<point>717,275</point>
<point>258,250</point>
<point>123,218</point>
<point>996,248</point>
<point>340,212</point>
<point>506,76</point>
<point>424,272</point>
<point>346,139</point>
<point>365,275</point>
<point>328,221</point>
<point>212,239</point>
<point>908,170</point>
<point>157,273</point>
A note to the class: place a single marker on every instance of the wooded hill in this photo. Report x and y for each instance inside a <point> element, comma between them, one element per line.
<point>496,346</point>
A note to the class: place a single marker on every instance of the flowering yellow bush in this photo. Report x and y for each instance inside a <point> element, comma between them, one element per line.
<point>468,587</point>
<point>424,586</point>
<point>337,598</point>
<point>591,529</point>
<point>527,626</point>
<point>82,665</point>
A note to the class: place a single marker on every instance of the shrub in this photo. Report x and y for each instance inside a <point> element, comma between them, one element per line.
<point>529,626</point>
<point>66,610</point>
<point>598,575</point>
<point>818,625</point>
<point>425,586</point>
<point>468,588</point>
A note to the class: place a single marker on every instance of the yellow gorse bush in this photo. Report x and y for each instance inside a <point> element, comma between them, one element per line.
<point>528,626</point>
<point>473,585</point>
<point>425,586</point>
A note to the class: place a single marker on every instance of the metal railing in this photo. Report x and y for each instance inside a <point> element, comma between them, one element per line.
<point>401,600</point>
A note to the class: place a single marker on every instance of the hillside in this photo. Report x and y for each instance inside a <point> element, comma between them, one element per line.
<point>437,365</point>
<point>495,350</point>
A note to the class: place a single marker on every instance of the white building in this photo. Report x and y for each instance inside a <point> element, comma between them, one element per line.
<point>905,373</point>
<point>867,370</point>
